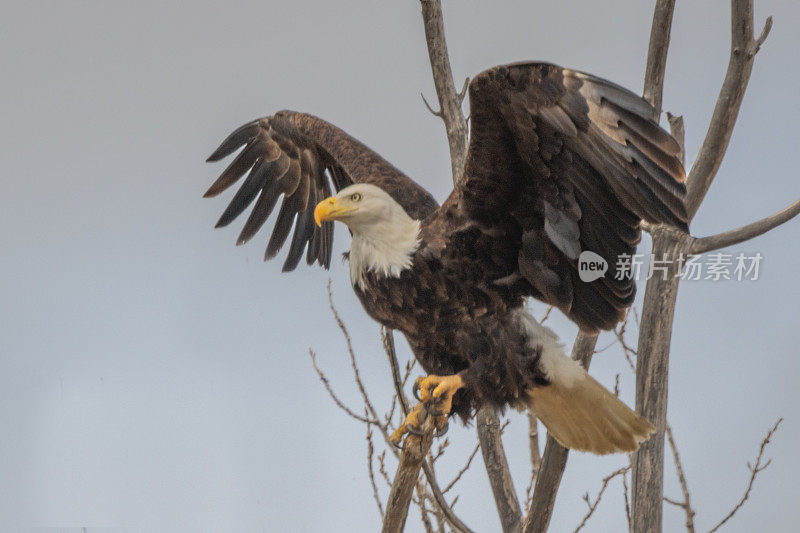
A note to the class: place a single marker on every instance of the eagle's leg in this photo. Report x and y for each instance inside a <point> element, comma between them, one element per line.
<point>436,398</point>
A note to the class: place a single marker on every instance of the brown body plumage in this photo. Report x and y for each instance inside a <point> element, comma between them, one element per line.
<point>559,162</point>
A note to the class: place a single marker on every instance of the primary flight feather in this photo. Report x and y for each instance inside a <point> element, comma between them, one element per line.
<point>560,162</point>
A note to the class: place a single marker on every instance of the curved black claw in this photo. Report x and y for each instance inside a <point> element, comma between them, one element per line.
<point>415,391</point>
<point>442,430</point>
<point>431,409</point>
<point>414,431</point>
<point>398,445</point>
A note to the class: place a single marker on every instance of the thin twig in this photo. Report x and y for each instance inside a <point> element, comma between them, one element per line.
<point>627,350</point>
<point>370,453</point>
<point>593,504</point>
<point>421,496</point>
<point>754,471</point>
<point>434,113</point>
<point>382,468</point>
<point>687,503</point>
<point>356,374</point>
<point>387,337</point>
<point>463,470</point>
<point>438,497</point>
<point>627,500</point>
<point>333,396</point>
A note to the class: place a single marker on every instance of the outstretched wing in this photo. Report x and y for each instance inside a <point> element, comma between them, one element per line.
<point>561,162</point>
<point>302,158</point>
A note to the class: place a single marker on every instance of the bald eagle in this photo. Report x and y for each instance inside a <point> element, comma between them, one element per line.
<point>560,162</point>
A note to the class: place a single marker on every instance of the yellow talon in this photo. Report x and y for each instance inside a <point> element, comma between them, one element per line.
<point>440,390</point>
<point>436,397</point>
<point>411,421</point>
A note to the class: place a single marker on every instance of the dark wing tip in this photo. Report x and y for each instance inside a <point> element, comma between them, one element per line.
<point>235,140</point>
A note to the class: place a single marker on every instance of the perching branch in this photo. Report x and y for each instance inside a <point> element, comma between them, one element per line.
<point>745,233</point>
<point>405,479</point>
<point>436,492</point>
<point>456,126</point>
<point>743,50</point>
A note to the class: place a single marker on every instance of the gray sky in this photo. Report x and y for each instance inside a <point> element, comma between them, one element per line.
<point>156,377</point>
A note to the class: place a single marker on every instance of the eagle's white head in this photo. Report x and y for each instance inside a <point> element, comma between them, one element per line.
<point>384,236</point>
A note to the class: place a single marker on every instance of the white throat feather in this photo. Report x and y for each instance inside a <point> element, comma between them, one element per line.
<point>385,247</point>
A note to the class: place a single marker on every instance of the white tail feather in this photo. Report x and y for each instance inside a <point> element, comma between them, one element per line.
<point>583,415</point>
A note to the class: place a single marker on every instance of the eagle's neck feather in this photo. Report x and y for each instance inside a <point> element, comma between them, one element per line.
<point>385,247</point>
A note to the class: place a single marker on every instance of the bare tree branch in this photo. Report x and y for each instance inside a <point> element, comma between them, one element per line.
<point>678,131</point>
<point>333,396</point>
<point>652,365</point>
<point>405,479</point>
<point>669,245</point>
<point>593,504</point>
<point>754,471</point>
<point>434,113</point>
<point>436,492</point>
<point>364,396</point>
<point>370,453</point>
<point>657,53</point>
<point>422,494</point>
<point>456,126</point>
<point>533,444</point>
<point>745,233</point>
<point>463,470</point>
<point>743,50</point>
<point>687,503</point>
<point>654,335</point>
<point>554,459</point>
<point>388,345</point>
<point>449,99</point>
<point>494,459</point>
<point>438,497</point>
<point>627,501</point>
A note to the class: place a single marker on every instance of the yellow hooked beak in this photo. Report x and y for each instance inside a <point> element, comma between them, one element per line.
<point>329,209</point>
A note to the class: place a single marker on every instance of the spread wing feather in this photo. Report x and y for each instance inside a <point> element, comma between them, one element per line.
<point>301,159</point>
<point>561,162</point>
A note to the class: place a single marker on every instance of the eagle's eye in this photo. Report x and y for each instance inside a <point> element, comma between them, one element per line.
<point>355,197</point>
